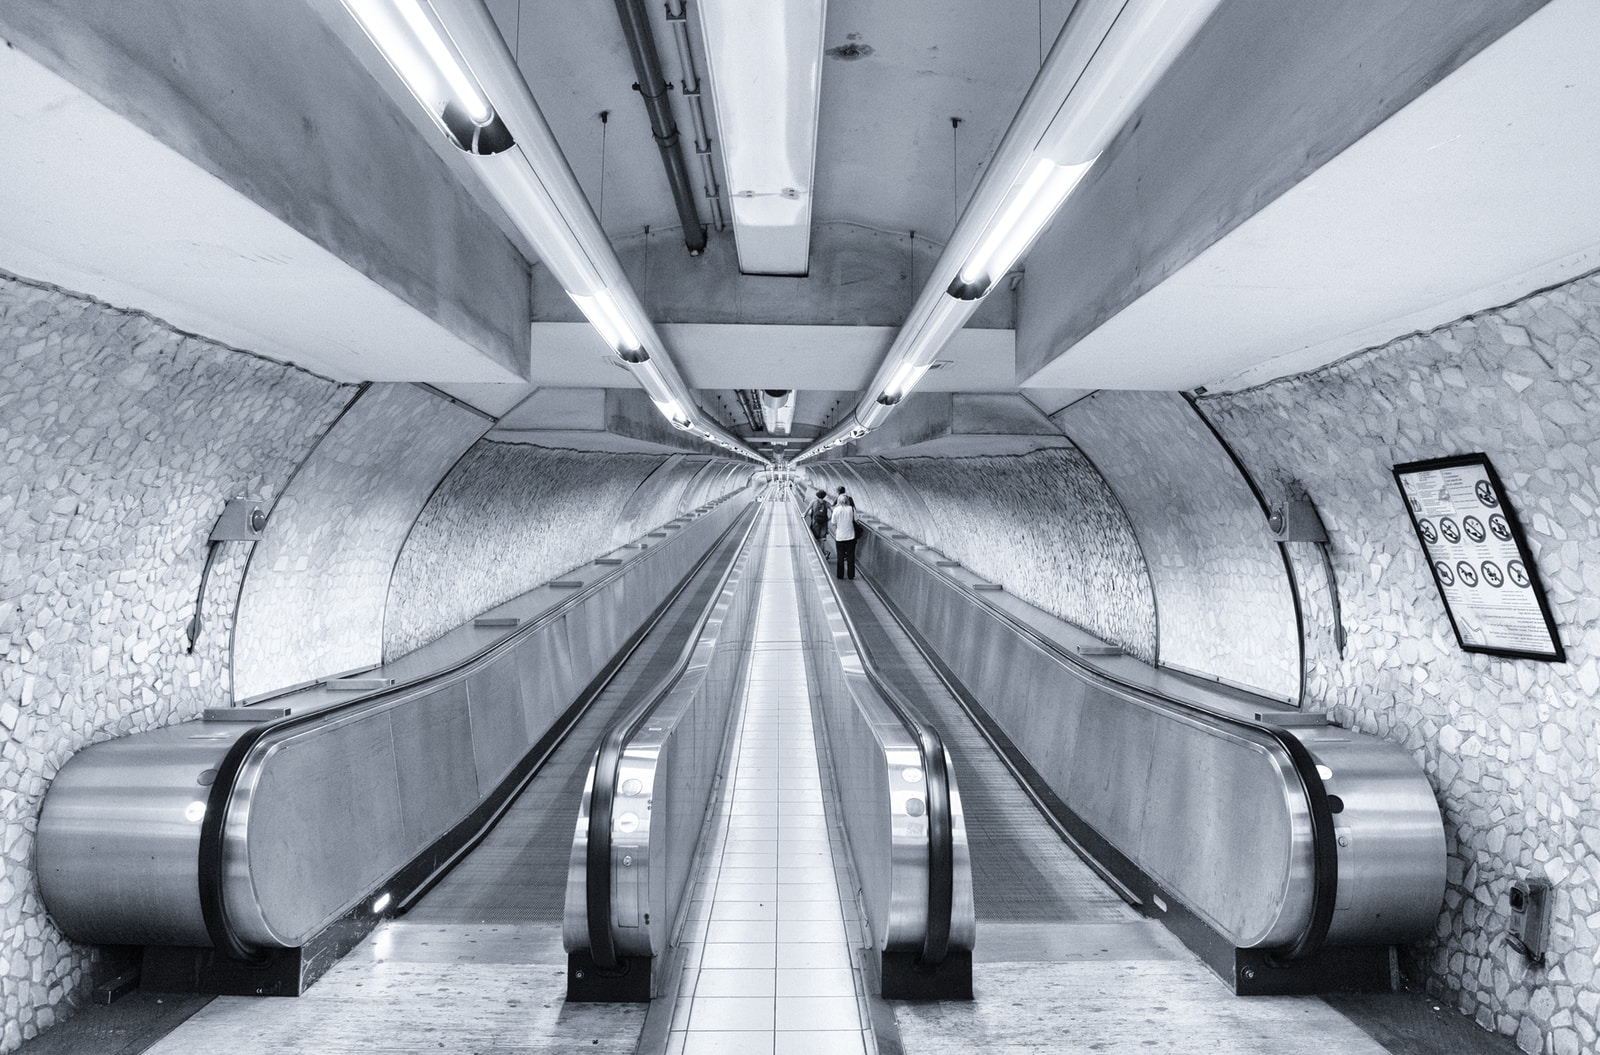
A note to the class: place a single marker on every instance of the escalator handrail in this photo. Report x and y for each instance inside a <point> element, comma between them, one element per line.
<point>1324,838</point>
<point>941,822</point>
<point>608,763</point>
<point>219,925</point>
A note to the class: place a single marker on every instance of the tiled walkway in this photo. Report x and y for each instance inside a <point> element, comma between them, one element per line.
<point>767,947</point>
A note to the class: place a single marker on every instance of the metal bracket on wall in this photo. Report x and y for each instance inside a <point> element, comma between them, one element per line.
<point>242,520</point>
<point>1295,519</point>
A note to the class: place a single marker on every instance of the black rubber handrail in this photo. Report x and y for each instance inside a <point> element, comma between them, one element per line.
<point>941,821</point>
<point>1324,838</point>
<point>608,761</point>
<point>214,914</point>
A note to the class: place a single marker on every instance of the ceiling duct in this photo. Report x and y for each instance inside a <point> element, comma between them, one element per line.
<point>778,405</point>
<point>652,89</point>
<point>751,405</point>
<point>764,62</point>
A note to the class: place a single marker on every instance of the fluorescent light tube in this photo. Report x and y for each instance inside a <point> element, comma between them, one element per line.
<point>673,412</point>
<point>1102,91</point>
<point>655,385</point>
<point>602,312</point>
<point>1033,204</point>
<point>423,55</point>
<point>905,380</point>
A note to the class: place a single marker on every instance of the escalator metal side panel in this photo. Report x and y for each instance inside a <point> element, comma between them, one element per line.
<point>1213,810</point>
<point>120,830</point>
<point>882,792</point>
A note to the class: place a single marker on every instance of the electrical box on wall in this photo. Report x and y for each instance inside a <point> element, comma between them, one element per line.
<point>1296,520</point>
<point>242,520</point>
<point>1530,917</point>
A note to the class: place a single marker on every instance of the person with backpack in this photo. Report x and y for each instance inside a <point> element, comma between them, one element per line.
<point>817,514</point>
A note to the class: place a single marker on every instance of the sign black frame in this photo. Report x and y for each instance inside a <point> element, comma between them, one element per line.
<point>1518,539</point>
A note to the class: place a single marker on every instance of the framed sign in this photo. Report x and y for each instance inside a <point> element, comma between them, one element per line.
<point>1479,558</point>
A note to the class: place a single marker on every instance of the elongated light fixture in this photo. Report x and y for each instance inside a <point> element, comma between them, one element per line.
<point>1108,57</point>
<point>765,66</point>
<point>603,314</point>
<point>454,62</point>
<point>1031,206</point>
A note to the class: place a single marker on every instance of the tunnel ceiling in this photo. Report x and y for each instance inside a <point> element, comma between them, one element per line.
<point>1308,180</point>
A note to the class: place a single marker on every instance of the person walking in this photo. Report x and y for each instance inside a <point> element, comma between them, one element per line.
<point>844,538</point>
<point>817,514</point>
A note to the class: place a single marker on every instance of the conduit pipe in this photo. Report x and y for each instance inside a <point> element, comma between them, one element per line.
<point>1101,68</point>
<point>689,81</point>
<point>653,88</point>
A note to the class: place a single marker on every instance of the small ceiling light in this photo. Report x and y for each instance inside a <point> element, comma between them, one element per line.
<point>674,413</point>
<point>904,381</point>
<point>604,315</point>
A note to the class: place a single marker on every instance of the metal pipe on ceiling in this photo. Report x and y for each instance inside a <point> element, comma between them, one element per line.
<point>689,81</point>
<point>652,89</point>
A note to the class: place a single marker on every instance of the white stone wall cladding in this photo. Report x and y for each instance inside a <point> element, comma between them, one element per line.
<point>876,493</point>
<point>1046,527</point>
<point>314,594</point>
<point>1043,525</point>
<point>511,516</point>
<point>120,438</point>
<point>668,493</point>
<point>1512,746</point>
<point>1222,592</point>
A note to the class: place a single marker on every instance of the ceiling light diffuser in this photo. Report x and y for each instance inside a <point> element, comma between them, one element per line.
<point>765,66</point>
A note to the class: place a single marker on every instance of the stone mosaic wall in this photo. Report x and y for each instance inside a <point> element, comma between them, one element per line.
<point>314,594</point>
<point>119,440</point>
<point>1044,525</point>
<point>512,516</point>
<point>1223,593</point>
<point>1512,746</point>
<point>879,493</point>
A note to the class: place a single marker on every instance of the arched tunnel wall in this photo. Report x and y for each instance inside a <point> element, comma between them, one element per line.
<point>511,516</point>
<point>1044,525</point>
<point>121,439</point>
<point>318,583</point>
<point>1223,595</point>
<point>1512,746</point>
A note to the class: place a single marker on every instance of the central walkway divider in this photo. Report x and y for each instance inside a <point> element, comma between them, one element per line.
<point>766,954</point>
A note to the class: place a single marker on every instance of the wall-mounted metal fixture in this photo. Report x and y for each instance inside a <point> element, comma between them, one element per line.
<point>242,520</point>
<point>1295,519</point>
<point>1530,917</point>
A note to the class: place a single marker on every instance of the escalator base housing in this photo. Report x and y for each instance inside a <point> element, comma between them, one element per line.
<point>627,983</point>
<point>281,972</point>
<point>903,978</point>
